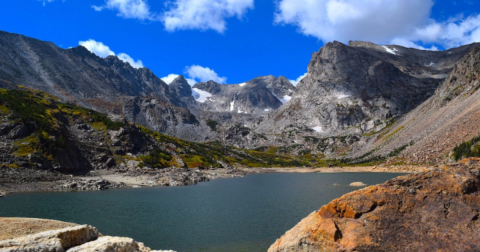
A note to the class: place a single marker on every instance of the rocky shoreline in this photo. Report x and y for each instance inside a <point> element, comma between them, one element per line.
<point>18,180</point>
<point>30,180</point>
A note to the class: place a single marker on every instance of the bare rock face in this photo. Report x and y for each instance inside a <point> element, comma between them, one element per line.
<point>433,210</point>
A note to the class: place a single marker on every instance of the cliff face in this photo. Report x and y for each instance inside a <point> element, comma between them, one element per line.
<point>429,211</point>
<point>355,89</point>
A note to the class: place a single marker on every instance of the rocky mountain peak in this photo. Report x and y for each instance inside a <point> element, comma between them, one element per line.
<point>180,86</point>
<point>209,86</point>
<point>80,51</point>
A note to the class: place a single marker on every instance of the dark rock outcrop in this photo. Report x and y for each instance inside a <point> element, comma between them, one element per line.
<point>437,209</point>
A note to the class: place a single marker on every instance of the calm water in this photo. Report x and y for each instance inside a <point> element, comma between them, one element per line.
<point>238,214</point>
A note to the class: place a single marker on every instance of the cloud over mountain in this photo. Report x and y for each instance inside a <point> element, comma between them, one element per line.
<point>103,51</point>
<point>404,22</point>
<point>203,14</point>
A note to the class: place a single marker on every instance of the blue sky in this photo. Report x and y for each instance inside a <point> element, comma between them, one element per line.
<point>232,41</point>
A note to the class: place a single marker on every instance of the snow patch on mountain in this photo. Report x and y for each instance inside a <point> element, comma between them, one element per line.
<point>392,51</point>
<point>285,99</point>
<point>200,95</point>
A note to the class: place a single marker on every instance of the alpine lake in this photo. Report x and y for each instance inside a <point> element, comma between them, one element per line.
<point>234,214</point>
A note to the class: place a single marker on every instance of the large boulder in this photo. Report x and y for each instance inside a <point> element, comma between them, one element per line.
<point>433,210</point>
<point>109,243</point>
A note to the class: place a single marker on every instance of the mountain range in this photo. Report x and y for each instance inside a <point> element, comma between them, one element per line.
<point>358,102</point>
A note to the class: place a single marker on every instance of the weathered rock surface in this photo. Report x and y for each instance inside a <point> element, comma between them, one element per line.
<point>18,227</point>
<point>73,238</point>
<point>54,240</point>
<point>117,244</point>
<point>434,210</point>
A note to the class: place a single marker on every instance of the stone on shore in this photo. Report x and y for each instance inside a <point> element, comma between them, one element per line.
<point>358,184</point>
<point>109,243</point>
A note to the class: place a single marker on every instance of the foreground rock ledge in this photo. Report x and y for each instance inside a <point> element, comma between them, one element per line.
<point>76,238</point>
<point>434,210</point>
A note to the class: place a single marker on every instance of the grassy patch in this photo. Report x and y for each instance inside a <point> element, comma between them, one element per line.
<point>4,110</point>
<point>466,149</point>
<point>99,126</point>
<point>393,133</point>
<point>26,146</point>
<point>157,159</point>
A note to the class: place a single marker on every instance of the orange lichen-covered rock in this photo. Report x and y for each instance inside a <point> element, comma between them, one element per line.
<point>435,210</point>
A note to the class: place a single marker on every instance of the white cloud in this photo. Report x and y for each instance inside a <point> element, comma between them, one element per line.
<point>104,51</point>
<point>44,2</point>
<point>204,74</point>
<point>97,47</point>
<point>409,43</point>
<point>169,79</point>
<point>295,82</point>
<point>403,22</point>
<point>136,9</point>
<point>451,33</point>
<point>98,8</point>
<point>203,14</point>
<point>126,58</point>
<point>373,20</point>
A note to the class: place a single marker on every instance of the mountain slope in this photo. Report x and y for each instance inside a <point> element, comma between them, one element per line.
<point>75,74</point>
<point>107,85</point>
<point>447,119</point>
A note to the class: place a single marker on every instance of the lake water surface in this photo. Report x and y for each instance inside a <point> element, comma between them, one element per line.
<point>237,214</point>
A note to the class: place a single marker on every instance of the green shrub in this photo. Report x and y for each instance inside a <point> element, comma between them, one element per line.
<point>157,159</point>
<point>212,124</point>
<point>466,149</point>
